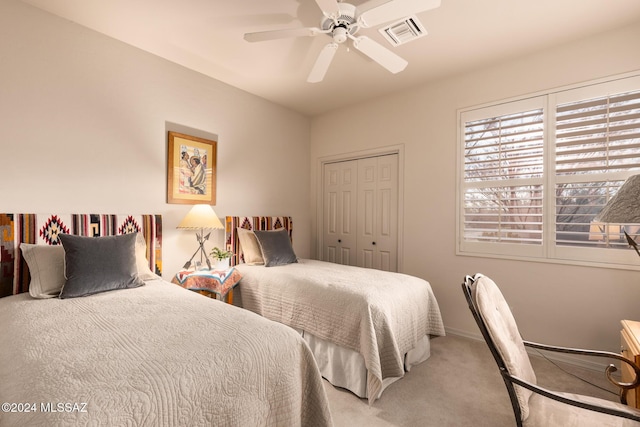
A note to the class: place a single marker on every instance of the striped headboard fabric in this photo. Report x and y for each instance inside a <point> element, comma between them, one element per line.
<point>45,228</point>
<point>251,223</point>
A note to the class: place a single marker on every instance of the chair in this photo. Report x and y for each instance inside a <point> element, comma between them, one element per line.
<point>532,404</point>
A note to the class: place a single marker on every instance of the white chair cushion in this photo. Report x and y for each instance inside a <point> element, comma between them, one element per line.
<point>503,330</point>
<point>545,412</point>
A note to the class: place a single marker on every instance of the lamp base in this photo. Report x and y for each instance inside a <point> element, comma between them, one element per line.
<point>203,254</point>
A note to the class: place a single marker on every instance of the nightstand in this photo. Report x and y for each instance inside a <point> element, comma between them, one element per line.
<point>630,348</point>
<point>217,284</point>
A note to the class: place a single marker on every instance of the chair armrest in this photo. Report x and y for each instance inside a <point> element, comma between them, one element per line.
<point>624,387</point>
<point>584,405</point>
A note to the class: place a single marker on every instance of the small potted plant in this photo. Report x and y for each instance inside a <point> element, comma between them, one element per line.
<point>221,258</point>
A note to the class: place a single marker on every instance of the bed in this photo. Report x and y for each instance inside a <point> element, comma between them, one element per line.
<point>365,327</point>
<point>144,353</point>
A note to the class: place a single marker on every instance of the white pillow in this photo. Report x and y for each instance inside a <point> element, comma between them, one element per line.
<point>144,272</point>
<point>250,247</point>
<point>46,265</point>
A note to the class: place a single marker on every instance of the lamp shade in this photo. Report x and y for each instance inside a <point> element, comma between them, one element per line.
<point>199,217</point>
<point>624,207</point>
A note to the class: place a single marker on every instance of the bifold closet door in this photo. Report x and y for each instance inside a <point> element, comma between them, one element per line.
<point>360,209</point>
<point>340,204</point>
<point>377,227</point>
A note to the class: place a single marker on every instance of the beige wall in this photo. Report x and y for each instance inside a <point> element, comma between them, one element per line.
<point>561,304</point>
<point>83,123</point>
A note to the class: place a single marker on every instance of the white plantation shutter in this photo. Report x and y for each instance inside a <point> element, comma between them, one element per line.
<point>576,206</point>
<point>597,143</point>
<point>598,135</point>
<point>505,147</point>
<point>504,214</point>
<point>503,176</point>
<point>535,172</point>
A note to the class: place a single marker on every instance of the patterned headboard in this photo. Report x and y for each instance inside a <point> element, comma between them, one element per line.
<point>252,223</point>
<point>44,229</point>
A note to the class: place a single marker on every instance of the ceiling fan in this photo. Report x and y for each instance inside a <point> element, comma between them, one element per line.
<point>342,21</point>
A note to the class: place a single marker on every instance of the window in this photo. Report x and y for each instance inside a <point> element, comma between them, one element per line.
<point>535,172</point>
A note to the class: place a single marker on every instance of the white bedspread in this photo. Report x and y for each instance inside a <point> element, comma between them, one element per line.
<point>381,315</point>
<point>157,355</point>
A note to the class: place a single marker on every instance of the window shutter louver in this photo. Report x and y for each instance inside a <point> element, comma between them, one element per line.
<point>599,135</point>
<point>503,166</point>
<point>594,138</point>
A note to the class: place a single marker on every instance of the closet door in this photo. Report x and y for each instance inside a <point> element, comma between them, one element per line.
<point>377,229</point>
<point>339,210</point>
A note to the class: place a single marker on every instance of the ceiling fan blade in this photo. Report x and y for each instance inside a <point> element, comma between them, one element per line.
<point>281,34</point>
<point>322,63</point>
<point>328,6</point>
<point>380,54</point>
<point>393,10</point>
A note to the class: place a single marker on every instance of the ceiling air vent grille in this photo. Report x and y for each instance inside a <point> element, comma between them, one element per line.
<point>403,31</point>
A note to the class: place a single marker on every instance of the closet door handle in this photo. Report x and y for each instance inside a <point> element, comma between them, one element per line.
<point>373,243</point>
<point>339,240</point>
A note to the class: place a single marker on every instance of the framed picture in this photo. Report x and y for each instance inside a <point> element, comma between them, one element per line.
<point>191,170</point>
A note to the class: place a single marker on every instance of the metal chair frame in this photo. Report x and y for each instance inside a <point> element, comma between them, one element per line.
<point>510,380</point>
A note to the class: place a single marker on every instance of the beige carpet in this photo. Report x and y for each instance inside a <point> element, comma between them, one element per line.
<point>458,386</point>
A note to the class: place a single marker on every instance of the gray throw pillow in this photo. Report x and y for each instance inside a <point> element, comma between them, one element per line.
<point>99,264</point>
<point>276,247</point>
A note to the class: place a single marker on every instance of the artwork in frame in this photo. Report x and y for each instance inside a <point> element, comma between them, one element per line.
<point>191,170</point>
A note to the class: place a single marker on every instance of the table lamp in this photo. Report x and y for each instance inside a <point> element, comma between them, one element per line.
<point>200,217</point>
<point>623,208</point>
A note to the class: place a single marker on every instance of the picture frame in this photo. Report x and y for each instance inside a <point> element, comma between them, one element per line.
<point>191,169</point>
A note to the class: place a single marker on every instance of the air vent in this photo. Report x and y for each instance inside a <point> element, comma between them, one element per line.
<point>403,31</point>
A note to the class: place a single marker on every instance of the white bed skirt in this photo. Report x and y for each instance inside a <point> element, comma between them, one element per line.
<point>345,368</point>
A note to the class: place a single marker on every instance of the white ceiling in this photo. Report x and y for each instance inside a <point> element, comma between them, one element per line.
<point>207,36</point>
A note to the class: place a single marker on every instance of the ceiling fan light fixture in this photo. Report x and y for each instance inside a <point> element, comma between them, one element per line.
<point>340,34</point>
